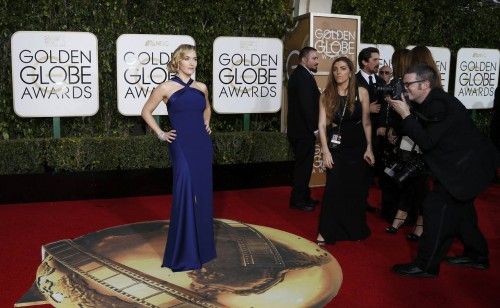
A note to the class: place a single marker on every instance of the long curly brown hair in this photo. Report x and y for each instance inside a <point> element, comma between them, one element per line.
<point>331,98</point>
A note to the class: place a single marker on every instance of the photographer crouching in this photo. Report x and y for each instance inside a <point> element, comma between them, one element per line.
<point>462,163</point>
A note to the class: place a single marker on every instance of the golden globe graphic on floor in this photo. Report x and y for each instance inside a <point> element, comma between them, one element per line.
<point>256,266</point>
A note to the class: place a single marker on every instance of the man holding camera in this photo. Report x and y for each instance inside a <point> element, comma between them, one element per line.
<point>462,163</point>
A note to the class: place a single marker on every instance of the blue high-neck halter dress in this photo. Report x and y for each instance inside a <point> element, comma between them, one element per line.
<point>190,240</point>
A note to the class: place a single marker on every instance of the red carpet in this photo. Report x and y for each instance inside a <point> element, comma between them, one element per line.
<point>368,281</point>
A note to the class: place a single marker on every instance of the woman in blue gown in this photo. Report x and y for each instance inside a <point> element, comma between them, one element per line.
<point>190,240</point>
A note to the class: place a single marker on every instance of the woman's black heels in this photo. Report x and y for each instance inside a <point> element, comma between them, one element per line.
<point>393,230</point>
<point>412,236</point>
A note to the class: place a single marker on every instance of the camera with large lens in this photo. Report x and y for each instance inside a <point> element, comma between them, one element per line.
<point>405,167</point>
<point>394,89</point>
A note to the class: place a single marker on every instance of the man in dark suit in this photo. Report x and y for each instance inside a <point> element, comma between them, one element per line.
<point>495,126</point>
<point>462,162</point>
<point>368,60</point>
<point>302,125</point>
<point>367,77</point>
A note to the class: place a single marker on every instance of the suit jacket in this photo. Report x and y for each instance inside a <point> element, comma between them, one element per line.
<point>373,96</point>
<point>459,156</point>
<point>495,120</point>
<point>303,104</point>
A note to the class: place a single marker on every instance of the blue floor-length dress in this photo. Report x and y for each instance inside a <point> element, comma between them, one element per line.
<point>190,240</point>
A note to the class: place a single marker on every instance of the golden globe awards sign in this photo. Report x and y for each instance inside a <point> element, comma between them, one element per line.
<point>54,74</point>
<point>247,74</point>
<point>476,77</point>
<point>334,36</point>
<point>141,65</point>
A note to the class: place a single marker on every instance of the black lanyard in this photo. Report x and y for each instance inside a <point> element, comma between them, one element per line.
<point>343,113</point>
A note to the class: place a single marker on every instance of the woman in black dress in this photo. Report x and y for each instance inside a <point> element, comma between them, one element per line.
<point>347,155</point>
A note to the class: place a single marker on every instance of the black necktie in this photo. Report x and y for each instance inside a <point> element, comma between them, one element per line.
<point>371,86</point>
<point>371,83</point>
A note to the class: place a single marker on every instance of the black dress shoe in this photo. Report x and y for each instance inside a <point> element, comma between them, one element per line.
<point>413,237</point>
<point>412,270</point>
<point>469,262</point>
<point>302,206</point>
<point>313,202</point>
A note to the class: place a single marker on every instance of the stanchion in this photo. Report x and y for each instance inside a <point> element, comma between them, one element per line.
<point>246,122</point>
<point>56,127</point>
<point>157,119</point>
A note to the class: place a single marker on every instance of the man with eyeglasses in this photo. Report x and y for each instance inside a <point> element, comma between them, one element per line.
<point>462,163</point>
<point>385,72</point>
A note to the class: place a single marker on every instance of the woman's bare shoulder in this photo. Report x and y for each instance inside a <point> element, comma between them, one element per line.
<point>164,88</point>
<point>167,85</point>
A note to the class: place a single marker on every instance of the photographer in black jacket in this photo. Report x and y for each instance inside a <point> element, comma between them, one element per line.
<point>462,162</point>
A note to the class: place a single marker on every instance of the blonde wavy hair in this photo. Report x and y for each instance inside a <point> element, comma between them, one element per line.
<point>331,98</point>
<point>179,53</point>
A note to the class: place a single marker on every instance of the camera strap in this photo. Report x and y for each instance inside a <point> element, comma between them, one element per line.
<point>413,146</point>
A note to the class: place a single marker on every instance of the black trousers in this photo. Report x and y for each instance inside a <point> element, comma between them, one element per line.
<point>303,150</point>
<point>444,219</point>
<point>413,193</point>
<point>388,188</point>
<point>390,195</point>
